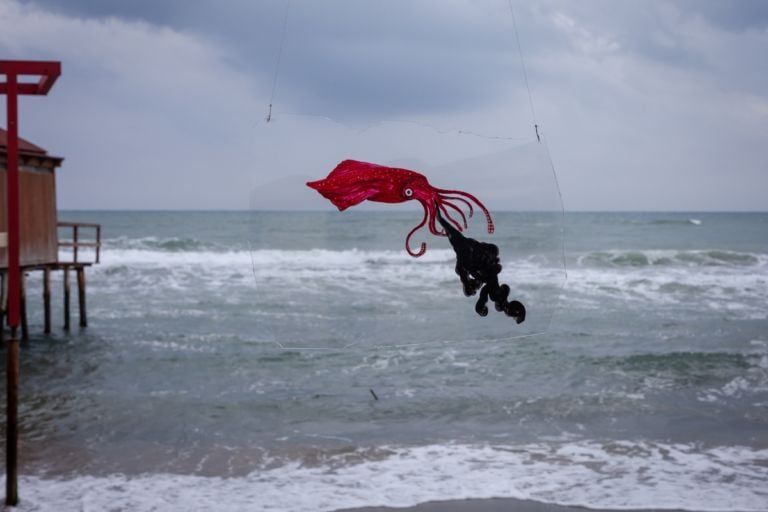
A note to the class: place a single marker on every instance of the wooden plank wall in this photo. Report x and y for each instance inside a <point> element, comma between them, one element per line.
<point>37,217</point>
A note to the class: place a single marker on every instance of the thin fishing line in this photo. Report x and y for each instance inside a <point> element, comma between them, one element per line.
<point>525,73</point>
<point>549,156</point>
<point>279,58</point>
<point>253,261</point>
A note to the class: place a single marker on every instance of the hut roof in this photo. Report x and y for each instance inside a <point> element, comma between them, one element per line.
<point>27,149</point>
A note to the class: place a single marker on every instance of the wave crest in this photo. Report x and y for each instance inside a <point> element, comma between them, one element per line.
<point>647,258</point>
<point>151,243</point>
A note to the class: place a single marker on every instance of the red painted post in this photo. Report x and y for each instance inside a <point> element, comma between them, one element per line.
<point>48,73</point>
<point>14,289</point>
<point>12,69</point>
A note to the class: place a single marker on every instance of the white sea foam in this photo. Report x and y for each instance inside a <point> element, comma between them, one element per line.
<point>723,281</point>
<point>620,474</point>
<point>737,288</point>
<point>650,262</point>
<point>753,382</point>
<point>351,268</point>
<point>735,283</point>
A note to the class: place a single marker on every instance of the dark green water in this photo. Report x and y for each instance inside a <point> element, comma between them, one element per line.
<point>643,381</point>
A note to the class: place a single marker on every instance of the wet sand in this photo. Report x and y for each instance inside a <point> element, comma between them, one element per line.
<point>489,505</point>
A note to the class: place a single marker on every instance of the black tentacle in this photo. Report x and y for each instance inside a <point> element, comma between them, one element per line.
<point>478,267</point>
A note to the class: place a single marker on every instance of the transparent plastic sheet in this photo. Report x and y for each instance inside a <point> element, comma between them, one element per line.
<point>333,279</point>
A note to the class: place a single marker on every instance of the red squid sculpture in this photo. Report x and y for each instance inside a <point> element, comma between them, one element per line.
<point>353,182</point>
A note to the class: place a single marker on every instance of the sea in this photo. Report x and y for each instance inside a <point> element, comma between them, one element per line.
<point>303,361</point>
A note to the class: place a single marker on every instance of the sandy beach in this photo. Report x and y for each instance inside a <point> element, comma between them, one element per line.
<point>489,505</point>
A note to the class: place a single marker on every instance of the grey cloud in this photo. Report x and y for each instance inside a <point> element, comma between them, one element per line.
<point>402,57</point>
<point>721,41</point>
<point>397,64</point>
<point>630,94</point>
<point>736,16</point>
<point>166,12</point>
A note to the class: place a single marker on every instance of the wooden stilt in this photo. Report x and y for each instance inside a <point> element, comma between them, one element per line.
<point>2,306</point>
<point>81,296</point>
<point>23,307</point>
<point>47,301</point>
<point>4,296</point>
<point>12,420</point>
<point>66,298</point>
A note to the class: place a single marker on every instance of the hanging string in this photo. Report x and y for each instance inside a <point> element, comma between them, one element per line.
<point>525,73</point>
<point>279,57</point>
<point>538,138</point>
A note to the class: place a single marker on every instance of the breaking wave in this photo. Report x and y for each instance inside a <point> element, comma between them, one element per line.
<point>676,222</point>
<point>671,258</point>
<point>616,474</point>
<point>151,243</point>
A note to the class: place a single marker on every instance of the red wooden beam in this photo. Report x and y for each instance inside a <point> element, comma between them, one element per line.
<point>47,71</point>
<point>21,88</point>
<point>31,67</point>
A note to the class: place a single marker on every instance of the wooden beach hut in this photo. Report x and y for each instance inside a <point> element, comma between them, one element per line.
<point>37,204</point>
<point>39,230</point>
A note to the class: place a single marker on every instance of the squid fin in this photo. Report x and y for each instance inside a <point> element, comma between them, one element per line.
<point>343,197</point>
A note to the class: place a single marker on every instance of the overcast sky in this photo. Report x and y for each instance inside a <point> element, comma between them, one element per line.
<point>657,105</point>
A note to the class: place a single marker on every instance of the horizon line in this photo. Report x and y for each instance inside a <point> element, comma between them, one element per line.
<point>242,210</point>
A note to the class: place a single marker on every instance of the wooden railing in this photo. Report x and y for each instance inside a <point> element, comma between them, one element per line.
<point>75,242</point>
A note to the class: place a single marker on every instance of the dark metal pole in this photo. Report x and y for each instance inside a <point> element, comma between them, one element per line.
<point>12,426</point>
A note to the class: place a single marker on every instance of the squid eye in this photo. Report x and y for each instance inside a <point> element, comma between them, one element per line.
<point>408,192</point>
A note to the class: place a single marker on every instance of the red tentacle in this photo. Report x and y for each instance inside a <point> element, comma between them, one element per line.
<point>463,218</point>
<point>447,216</point>
<point>488,219</point>
<point>469,205</point>
<point>423,247</point>
<point>430,207</point>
